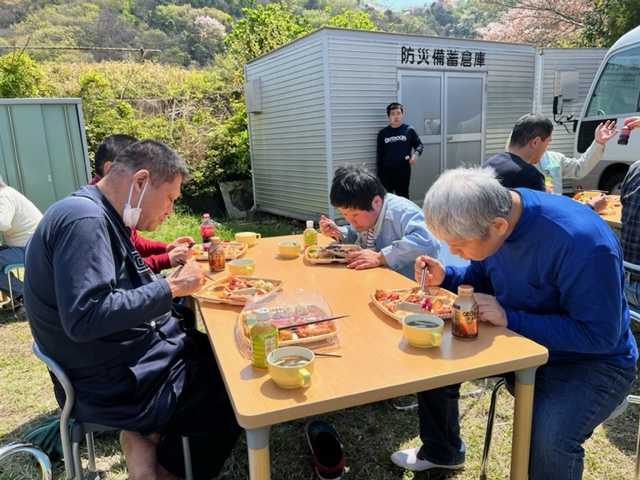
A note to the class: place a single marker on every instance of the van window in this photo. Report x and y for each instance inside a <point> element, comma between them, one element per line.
<point>618,89</point>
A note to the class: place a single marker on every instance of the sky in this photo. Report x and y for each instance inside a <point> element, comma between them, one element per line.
<point>401,4</point>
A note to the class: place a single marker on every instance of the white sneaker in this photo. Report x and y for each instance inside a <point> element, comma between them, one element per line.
<point>408,459</point>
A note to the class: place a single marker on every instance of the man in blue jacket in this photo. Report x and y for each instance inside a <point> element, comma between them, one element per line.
<point>551,270</point>
<point>390,229</point>
<point>96,308</point>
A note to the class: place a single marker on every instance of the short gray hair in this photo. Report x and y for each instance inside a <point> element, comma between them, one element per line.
<point>163,163</point>
<point>463,202</point>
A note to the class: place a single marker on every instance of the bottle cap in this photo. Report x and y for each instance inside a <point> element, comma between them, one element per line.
<point>465,290</point>
<point>309,223</point>
<point>263,314</point>
<point>215,240</point>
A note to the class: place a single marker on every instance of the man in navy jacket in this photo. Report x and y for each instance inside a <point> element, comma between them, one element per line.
<point>97,309</point>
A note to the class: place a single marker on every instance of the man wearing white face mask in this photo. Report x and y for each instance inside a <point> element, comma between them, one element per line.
<point>97,309</point>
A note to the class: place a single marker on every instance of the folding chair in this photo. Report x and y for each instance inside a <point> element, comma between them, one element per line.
<point>72,432</point>
<point>18,447</point>
<point>13,270</point>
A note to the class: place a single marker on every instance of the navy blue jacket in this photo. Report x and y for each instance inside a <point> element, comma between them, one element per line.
<point>96,308</point>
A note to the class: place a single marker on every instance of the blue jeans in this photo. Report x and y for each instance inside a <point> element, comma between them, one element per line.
<point>8,256</point>
<point>571,399</point>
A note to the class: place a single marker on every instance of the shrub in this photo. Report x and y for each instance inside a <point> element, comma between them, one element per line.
<point>20,76</point>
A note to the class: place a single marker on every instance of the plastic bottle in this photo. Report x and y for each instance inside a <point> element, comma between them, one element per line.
<point>465,314</point>
<point>207,228</point>
<point>264,338</point>
<point>310,235</point>
<point>216,255</point>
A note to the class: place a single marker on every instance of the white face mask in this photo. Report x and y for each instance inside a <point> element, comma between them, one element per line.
<point>130,215</point>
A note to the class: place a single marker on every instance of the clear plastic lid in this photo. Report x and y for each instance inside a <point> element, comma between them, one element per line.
<point>263,315</point>
<point>309,223</point>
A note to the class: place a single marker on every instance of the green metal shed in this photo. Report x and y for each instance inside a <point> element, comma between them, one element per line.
<point>43,147</point>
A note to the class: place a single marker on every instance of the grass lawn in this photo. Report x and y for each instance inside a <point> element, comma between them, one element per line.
<point>370,433</point>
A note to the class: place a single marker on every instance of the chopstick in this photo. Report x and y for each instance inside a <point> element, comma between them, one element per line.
<point>177,270</point>
<point>319,320</point>
<point>320,354</point>
<point>423,275</point>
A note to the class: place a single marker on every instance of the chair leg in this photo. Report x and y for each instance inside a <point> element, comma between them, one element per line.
<point>91,450</point>
<point>13,304</point>
<point>490,419</point>
<point>77,461</point>
<point>67,451</point>
<point>186,451</point>
<point>637,474</point>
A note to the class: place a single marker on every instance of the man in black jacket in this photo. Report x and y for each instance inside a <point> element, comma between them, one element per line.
<point>398,145</point>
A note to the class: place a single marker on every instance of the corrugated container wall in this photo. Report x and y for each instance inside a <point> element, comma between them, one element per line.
<point>318,103</point>
<point>584,61</point>
<point>43,148</point>
<point>364,68</point>
<point>288,138</point>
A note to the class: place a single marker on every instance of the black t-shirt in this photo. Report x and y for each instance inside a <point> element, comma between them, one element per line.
<point>395,145</point>
<point>514,172</point>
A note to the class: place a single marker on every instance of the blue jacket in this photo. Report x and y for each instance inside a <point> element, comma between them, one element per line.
<point>559,278</point>
<point>402,235</point>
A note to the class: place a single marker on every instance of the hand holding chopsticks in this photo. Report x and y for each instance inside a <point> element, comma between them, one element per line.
<point>429,272</point>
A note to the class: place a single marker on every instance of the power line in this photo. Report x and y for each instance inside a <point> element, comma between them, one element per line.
<point>142,51</point>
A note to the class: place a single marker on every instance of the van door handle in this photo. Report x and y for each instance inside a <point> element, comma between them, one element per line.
<point>449,138</point>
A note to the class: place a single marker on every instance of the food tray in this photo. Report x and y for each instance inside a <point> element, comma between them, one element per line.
<point>295,341</point>
<point>432,292</point>
<point>218,291</point>
<point>324,261</point>
<point>585,196</point>
<point>232,251</point>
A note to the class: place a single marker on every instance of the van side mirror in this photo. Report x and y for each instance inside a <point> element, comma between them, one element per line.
<point>558,105</point>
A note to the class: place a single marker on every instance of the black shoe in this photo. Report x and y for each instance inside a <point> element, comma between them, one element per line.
<point>326,449</point>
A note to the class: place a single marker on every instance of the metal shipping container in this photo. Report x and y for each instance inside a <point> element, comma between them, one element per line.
<point>43,148</point>
<point>318,103</point>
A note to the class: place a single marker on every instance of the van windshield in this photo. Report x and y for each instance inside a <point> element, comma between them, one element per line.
<point>618,89</point>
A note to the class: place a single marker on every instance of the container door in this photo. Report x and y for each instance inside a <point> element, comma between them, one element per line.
<point>464,119</point>
<point>421,95</point>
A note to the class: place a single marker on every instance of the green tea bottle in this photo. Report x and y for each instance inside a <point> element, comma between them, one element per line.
<point>310,235</point>
<point>264,338</point>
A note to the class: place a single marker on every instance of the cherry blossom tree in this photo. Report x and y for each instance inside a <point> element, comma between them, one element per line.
<point>548,23</point>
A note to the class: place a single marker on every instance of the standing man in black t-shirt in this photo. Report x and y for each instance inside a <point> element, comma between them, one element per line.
<point>515,168</point>
<point>398,145</point>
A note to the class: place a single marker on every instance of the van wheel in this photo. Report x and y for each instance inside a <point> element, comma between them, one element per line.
<point>612,179</point>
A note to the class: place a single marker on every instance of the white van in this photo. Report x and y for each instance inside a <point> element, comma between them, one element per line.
<point>614,95</point>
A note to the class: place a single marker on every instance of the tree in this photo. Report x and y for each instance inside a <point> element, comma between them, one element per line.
<point>542,22</point>
<point>20,76</point>
<point>259,31</point>
<point>263,29</point>
<point>197,32</point>
<point>608,21</point>
<point>355,19</point>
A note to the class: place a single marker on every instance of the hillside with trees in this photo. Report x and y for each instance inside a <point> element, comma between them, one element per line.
<point>181,79</point>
